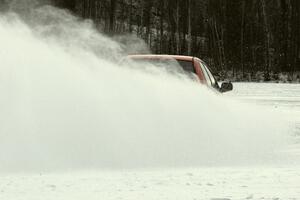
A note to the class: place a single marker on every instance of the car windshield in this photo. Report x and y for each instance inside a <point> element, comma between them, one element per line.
<point>187,66</point>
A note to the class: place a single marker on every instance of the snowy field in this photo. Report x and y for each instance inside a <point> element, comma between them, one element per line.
<point>275,182</point>
<point>282,97</point>
<point>276,95</point>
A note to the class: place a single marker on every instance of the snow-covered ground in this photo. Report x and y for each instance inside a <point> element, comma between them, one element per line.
<point>284,98</point>
<point>276,95</point>
<point>192,184</point>
<point>271,182</point>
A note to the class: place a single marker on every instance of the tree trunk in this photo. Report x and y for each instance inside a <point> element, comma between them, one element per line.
<point>189,39</point>
<point>177,28</point>
<point>130,16</point>
<point>242,36</point>
<point>161,21</point>
<point>112,15</point>
<point>268,39</point>
<point>289,35</point>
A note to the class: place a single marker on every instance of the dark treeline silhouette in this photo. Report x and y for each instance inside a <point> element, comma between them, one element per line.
<point>236,37</point>
<point>240,36</point>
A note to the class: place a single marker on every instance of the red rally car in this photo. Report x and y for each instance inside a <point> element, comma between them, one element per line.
<point>189,64</point>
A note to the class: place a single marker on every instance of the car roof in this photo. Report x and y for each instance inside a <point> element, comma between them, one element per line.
<point>162,57</point>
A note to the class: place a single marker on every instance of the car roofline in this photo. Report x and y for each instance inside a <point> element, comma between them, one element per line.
<point>161,56</point>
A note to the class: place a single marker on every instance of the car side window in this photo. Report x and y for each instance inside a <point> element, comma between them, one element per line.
<point>214,83</point>
<point>205,74</point>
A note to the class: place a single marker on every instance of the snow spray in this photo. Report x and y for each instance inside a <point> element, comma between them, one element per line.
<point>66,102</point>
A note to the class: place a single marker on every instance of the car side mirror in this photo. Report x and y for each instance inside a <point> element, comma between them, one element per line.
<point>226,87</point>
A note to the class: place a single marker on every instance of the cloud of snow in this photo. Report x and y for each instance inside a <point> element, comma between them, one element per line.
<point>66,103</point>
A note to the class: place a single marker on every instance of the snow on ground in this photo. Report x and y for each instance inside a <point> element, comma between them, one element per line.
<point>284,98</point>
<point>192,184</point>
<point>213,183</point>
<point>270,94</point>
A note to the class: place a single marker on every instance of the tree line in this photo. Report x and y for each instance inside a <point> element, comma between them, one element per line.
<point>237,36</point>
